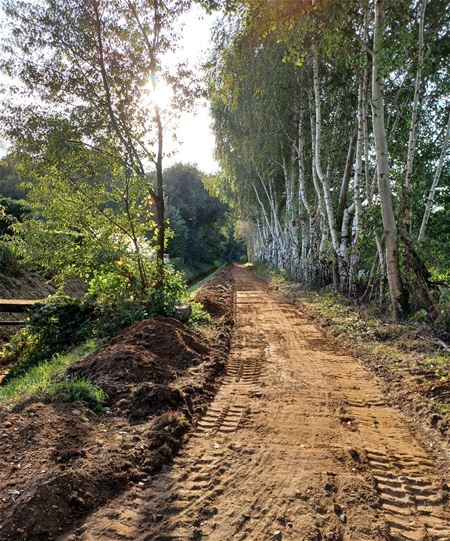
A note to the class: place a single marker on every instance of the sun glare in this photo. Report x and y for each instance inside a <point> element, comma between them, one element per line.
<point>160,94</point>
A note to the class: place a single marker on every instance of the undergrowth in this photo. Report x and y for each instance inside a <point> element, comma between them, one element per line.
<point>199,316</point>
<point>194,288</point>
<point>191,272</point>
<point>62,323</point>
<point>276,276</point>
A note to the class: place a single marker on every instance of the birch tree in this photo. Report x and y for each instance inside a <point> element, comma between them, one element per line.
<point>357,89</point>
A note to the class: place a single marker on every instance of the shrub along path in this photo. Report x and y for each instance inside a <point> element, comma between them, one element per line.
<point>298,444</point>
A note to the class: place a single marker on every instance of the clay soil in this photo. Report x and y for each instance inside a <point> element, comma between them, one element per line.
<point>298,443</point>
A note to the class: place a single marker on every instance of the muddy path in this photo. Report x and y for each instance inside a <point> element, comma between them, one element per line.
<point>298,444</point>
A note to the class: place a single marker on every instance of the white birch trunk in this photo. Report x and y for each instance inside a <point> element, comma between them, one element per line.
<point>354,259</point>
<point>322,177</point>
<point>437,176</point>
<point>382,157</point>
<point>319,193</point>
<point>412,139</point>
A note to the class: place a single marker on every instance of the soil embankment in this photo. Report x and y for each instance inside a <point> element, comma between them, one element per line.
<point>61,461</point>
<point>28,286</point>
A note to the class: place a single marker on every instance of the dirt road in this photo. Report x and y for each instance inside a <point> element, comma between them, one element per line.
<point>298,444</point>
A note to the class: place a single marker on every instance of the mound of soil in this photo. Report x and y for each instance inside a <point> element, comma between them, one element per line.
<point>62,460</point>
<point>160,350</point>
<point>217,296</point>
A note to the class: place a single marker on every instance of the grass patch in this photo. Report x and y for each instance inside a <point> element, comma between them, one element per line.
<point>198,285</point>
<point>275,276</point>
<point>41,378</point>
<point>443,409</point>
<point>191,271</point>
<point>80,389</point>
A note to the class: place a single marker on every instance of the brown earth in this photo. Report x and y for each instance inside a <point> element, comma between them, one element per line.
<point>299,443</point>
<point>411,363</point>
<point>30,286</point>
<point>215,297</point>
<point>61,460</point>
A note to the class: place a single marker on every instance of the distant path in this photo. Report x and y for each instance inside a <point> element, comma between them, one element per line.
<point>298,444</point>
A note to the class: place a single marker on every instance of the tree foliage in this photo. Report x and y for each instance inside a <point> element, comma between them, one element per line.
<point>94,66</point>
<point>200,221</point>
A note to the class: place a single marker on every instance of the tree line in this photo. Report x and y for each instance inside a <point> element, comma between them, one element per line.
<point>332,125</point>
<point>87,144</point>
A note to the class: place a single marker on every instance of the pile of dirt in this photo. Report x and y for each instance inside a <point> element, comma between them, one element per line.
<point>142,369</point>
<point>62,460</point>
<point>217,296</point>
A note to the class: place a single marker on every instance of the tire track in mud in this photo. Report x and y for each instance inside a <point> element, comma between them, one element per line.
<point>298,444</point>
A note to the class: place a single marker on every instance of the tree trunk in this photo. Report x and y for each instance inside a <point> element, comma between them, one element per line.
<point>365,99</point>
<point>437,176</point>
<point>406,210</point>
<point>323,177</point>
<point>159,204</point>
<point>397,294</point>
<point>320,203</point>
<point>354,257</point>
<point>343,194</point>
<point>303,197</point>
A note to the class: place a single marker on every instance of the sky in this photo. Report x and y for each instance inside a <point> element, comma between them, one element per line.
<point>195,140</point>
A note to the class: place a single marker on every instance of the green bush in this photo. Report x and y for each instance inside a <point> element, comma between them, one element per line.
<point>112,319</point>
<point>110,305</point>
<point>162,301</point>
<point>199,316</point>
<point>108,287</point>
<point>52,327</point>
<point>8,259</point>
<point>13,210</point>
<point>277,276</point>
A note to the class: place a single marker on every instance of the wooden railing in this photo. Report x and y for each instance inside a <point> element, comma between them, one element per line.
<point>16,306</point>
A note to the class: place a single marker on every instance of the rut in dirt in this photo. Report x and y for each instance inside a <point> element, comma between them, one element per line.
<point>298,444</point>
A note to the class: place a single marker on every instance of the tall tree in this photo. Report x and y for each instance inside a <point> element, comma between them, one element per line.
<point>97,64</point>
<point>382,160</point>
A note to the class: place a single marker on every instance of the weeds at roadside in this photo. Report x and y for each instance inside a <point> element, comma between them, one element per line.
<point>275,276</point>
<point>41,378</point>
<point>80,389</point>
<point>199,317</point>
